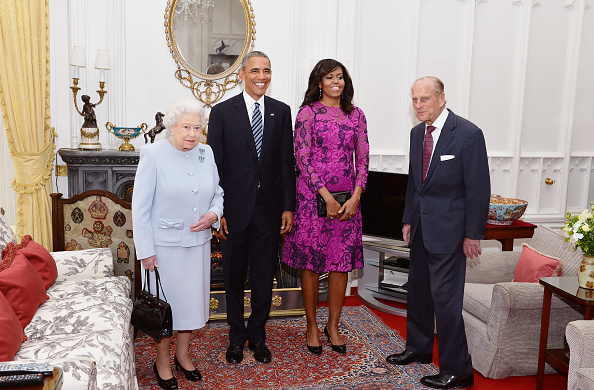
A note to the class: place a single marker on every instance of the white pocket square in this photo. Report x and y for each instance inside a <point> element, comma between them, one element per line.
<point>446,157</point>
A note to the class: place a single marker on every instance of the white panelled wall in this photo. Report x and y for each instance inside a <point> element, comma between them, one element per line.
<point>520,69</point>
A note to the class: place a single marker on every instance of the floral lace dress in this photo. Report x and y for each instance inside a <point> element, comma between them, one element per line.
<point>326,142</point>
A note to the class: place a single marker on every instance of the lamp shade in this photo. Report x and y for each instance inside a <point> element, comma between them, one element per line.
<point>78,56</point>
<point>102,60</point>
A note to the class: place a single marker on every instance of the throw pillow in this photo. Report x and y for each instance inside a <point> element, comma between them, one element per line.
<point>533,265</point>
<point>11,331</point>
<point>6,234</point>
<point>42,260</point>
<point>23,288</point>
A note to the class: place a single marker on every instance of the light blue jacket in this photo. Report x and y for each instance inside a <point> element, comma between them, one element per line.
<point>172,190</point>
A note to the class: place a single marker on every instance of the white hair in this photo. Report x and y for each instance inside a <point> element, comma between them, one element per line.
<point>180,107</point>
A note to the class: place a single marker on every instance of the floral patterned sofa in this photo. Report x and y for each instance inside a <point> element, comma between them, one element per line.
<point>84,326</point>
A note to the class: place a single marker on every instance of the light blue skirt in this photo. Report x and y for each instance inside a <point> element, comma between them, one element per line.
<point>185,276</point>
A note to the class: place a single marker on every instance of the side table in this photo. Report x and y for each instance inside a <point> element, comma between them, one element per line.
<point>566,287</point>
<point>505,234</point>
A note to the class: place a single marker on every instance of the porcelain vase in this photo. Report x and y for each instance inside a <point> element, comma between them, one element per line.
<point>586,273</point>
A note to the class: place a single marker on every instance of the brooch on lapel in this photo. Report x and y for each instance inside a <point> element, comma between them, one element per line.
<point>201,159</point>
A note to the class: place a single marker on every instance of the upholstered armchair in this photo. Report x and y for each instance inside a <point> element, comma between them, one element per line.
<point>503,318</point>
<point>97,219</point>
<point>580,338</point>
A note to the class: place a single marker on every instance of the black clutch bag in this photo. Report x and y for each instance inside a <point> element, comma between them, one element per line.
<point>151,314</point>
<point>340,196</point>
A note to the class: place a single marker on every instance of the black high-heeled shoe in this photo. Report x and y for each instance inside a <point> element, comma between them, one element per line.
<point>336,348</point>
<point>193,376</point>
<point>315,350</point>
<point>169,384</point>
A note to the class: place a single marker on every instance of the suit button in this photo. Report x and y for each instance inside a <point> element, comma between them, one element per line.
<point>195,209</point>
<point>195,190</point>
<point>186,156</point>
<point>191,173</point>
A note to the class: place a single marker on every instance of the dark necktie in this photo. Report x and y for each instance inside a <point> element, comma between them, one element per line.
<point>257,128</point>
<point>427,150</point>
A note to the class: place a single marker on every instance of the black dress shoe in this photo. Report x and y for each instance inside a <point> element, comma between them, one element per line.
<point>193,376</point>
<point>406,357</point>
<point>261,352</point>
<point>167,384</point>
<point>315,350</point>
<point>445,381</point>
<point>336,348</point>
<point>234,353</point>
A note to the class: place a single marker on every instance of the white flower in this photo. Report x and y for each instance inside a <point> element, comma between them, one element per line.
<point>585,228</point>
<point>576,226</point>
<point>577,236</point>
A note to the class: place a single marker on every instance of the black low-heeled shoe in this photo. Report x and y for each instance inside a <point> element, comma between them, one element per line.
<point>193,376</point>
<point>315,350</point>
<point>167,384</point>
<point>336,348</point>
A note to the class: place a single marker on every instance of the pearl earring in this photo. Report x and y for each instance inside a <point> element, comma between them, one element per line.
<point>320,93</point>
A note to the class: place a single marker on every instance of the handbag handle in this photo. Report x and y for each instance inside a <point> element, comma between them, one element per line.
<point>157,284</point>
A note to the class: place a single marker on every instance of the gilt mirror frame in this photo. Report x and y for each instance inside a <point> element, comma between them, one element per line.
<point>208,89</point>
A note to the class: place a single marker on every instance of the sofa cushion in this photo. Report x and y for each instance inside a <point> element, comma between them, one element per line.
<point>23,288</point>
<point>110,349</point>
<point>477,300</point>
<point>11,331</point>
<point>6,233</point>
<point>553,244</point>
<point>83,264</point>
<point>42,260</point>
<point>92,306</point>
<point>533,265</point>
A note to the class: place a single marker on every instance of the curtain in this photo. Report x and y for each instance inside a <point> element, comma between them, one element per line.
<point>25,103</point>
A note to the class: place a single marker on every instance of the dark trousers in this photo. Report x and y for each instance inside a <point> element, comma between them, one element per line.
<point>436,286</point>
<point>258,245</point>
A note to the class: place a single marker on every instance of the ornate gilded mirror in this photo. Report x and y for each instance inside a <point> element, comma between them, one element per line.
<point>208,39</point>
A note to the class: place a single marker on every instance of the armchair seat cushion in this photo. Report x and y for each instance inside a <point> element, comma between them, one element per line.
<point>477,300</point>
<point>585,379</point>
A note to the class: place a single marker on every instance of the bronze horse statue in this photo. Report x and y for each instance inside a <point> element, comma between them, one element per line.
<point>159,127</point>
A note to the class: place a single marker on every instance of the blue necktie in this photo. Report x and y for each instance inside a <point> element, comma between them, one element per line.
<point>257,128</point>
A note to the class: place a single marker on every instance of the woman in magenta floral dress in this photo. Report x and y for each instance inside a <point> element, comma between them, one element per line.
<point>329,133</point>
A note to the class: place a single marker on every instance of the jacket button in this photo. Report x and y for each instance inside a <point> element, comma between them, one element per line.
<point>191,173</point>
<point>195,190</point>
<point>194,209</point>
<point>186,156</point>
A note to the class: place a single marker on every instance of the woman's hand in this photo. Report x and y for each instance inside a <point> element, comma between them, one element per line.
<point>205,222</point>
<point>348,209</point>
<point>150,263</point>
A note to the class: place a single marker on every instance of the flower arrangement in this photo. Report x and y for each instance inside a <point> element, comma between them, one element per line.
<point>580,229</point>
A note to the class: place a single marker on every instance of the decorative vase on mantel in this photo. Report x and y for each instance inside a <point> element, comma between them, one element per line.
<point>586,273</point>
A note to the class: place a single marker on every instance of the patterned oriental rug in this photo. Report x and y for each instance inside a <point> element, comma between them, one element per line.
<point>364,367</point>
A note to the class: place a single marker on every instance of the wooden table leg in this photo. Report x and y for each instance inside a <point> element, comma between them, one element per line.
<point>507,244</point>
<point>544,334</point>
<point>588,313</point>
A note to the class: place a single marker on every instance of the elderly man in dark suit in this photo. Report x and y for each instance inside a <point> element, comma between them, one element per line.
<point>447,202</point>
<point>252,140</point>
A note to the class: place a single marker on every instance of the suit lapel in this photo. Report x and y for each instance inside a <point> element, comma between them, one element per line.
<point>243,122</point>
<point>446,136</point>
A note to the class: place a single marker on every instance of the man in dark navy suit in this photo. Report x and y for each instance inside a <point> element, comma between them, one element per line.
<point>447,202</point>
<point>252,140</point>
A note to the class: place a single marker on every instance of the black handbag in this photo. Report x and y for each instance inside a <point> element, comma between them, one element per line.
<point>340,196</point>
<point>151,314</point>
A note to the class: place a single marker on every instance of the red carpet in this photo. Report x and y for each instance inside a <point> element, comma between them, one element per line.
<point>398,323</point>
<point>364,367</point>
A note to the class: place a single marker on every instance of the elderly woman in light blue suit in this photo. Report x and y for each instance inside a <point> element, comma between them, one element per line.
<point>176,200</point>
